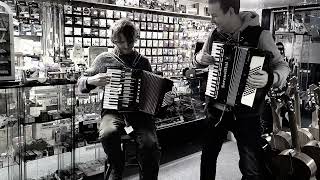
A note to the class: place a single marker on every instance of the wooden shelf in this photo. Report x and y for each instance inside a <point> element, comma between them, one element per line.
<point>137,9</point>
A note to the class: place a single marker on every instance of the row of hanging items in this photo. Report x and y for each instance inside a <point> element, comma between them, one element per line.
<point>53,30</point>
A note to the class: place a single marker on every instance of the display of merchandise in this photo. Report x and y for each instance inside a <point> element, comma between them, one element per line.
<point>7,71</point>
<point>166,40</point>
<point>36,127</point>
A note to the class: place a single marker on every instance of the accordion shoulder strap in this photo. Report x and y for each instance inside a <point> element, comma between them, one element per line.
<point>135,61</point>
<point>116,57</point>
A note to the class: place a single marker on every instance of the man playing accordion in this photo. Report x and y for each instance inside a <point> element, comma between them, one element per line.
<point>124,35</point>
<point>242,28</point>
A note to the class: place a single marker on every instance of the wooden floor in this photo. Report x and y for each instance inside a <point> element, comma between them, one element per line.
<point>188,167</point>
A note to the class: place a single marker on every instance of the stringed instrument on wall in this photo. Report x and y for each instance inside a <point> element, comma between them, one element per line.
<point>312,148</point>
<point>292,164</point>
<point>304,135</point>
<point>315,103</point>
<point>280,140</point>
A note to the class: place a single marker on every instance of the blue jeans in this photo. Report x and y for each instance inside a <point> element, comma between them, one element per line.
<point>247,130</point>
<point>148,149</point>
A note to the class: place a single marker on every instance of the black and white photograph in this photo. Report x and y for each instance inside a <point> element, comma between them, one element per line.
<point>159,89</point>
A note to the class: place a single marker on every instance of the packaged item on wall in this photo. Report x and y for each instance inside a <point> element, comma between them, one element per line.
<point>87,21</point>
<point>78,41</point>
<point>94,12</point>
<point>67,9</point>
<point>77,20</point>
<point>68,31</point>
<point>94,32</point>
<point>86,41</point>
<point>22,9</point>
<point>34,10</point>
<point>102,13</point>
<point>25,29</point>
<point>77,31</point>
<point>36,29</point>
<point>116,14</point>
<point>102,33</point>
<point>120,2</point>
<point>76,10</point>
<point>68,20</point>
<point>69,41</point>
<point>95,42</point>
<point>102,23</point>
<point>86,11</point>
<point>103,42</point>
<point>109,13</point>
<point>87,31</point>
<point>133,3</point>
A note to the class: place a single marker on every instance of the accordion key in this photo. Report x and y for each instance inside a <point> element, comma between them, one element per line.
<point>135,90</point>
<point>228,75</point>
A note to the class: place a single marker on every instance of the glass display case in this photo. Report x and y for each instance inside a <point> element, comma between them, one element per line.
<point>37,125</point>
<point>10,134</point>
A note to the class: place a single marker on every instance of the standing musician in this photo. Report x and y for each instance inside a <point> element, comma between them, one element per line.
<point>243,121</point>
<point>124,35</point>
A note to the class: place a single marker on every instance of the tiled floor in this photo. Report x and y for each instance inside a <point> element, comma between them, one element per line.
<point>188,167</point>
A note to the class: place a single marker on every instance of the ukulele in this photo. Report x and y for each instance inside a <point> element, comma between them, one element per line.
<point>292,164</point>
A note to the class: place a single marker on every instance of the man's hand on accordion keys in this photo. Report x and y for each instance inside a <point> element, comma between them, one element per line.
<point>258,79</point>
<point>100,79</point>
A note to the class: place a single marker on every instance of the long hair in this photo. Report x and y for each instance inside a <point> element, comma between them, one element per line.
<point>125,27</point>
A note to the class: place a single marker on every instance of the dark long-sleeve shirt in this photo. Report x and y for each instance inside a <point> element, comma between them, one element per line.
<point>105,60</point>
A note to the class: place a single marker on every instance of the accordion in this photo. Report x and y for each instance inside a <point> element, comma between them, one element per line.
<point>228,75</point>
<point>135,90</point>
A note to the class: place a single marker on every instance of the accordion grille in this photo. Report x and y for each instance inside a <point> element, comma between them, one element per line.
<point>152,90</point>
<point>238,64</point>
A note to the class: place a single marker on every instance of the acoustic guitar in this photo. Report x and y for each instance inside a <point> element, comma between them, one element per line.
<point>312,148</point>
<point>304,135</point>
<point>292,164</point>
<point>315,102</point>
<point>280,140</point>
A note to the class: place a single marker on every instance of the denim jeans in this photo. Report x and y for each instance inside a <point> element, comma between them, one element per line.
<point>148,149</point>
<point>247,130</point>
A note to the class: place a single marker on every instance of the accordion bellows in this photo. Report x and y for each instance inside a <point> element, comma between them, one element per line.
<point>228,75</point>
<point>135,90</point>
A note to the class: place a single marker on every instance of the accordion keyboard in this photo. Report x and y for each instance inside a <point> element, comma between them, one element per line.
<point>120,90</point>
<point>214,70</point>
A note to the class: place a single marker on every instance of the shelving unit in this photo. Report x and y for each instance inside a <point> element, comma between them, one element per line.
<point>32,139</point>
<point>167,39</point>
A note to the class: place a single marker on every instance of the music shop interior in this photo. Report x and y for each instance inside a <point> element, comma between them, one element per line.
<point>104,89</point>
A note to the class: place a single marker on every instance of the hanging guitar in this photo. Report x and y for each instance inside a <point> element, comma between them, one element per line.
<point>304,135</point>
<point>280,140</point>
<point>292,164</point>
<point>314,108</point>
<point>277,141</point>
<point>312,148</point>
